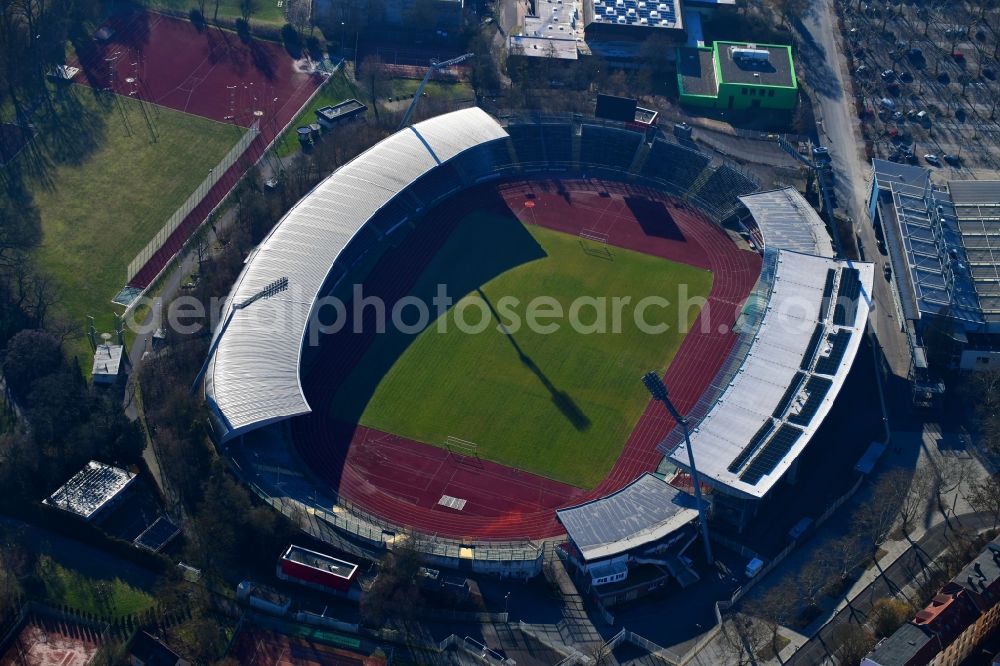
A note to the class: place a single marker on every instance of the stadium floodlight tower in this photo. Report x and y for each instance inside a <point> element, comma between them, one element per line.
<point>435,66</point>
<point>658,390</point>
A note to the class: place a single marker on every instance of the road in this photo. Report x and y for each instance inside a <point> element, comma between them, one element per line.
<point>896,577</point>
<point>840,129</point>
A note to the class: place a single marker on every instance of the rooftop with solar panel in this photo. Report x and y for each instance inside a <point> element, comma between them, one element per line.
<point>644,13</point>
<point>809,315</point>
<point>944,243</point>
<point>91,490</point>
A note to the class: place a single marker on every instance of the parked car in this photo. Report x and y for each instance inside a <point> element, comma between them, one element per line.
<point>800,528</point>
<point>888,75</point>
<point>821,154</point>
<point>887,104</point>
<point>930,158</point>
<point>862,70</point>
<point>753,567</point>
<point>953,160</point>
<point>958,56</point>
<point>898,116</point>
<point>887,272</point>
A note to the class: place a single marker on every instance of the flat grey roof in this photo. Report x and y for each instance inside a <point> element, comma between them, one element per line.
<point>902,646</point>
<point>777,71</point>
<point>320,561</point>
<point>787,221</point>
<point>974,192</point>
<point>107,361</point>
<point>791,374</point>
<point>642,512</point>
<point>252,378</point>
<point>696,68</point>
<point>90,489</point>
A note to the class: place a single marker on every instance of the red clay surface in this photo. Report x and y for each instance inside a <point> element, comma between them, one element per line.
<point>256,647</point>
<point>44,642</point>
<point>402,480</point>
<point>210,74</point>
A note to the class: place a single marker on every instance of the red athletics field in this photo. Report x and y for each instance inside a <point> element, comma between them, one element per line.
<point>210,73</point>
<point>402,480</point>
<point>47,642</point>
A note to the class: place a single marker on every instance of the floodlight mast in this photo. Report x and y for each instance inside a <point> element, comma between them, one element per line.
<point>435,65</point>
<point>658,390</point>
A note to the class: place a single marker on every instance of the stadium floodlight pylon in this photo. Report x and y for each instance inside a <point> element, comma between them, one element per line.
<point>658,390</point>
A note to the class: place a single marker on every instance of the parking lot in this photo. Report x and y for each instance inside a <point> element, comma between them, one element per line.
<point>925,77</point>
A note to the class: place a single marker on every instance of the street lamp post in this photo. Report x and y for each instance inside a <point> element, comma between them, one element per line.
<point>658,390</point>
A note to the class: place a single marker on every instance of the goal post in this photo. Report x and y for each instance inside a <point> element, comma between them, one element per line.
<point>595,243</point>
<point>462,447</point>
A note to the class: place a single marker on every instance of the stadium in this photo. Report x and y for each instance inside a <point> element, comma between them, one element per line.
<point>482,447</point>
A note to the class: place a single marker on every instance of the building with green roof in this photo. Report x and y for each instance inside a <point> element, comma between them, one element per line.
<point>735,75</point>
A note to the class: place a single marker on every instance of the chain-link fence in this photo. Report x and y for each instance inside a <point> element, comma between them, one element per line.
<point>214,175</point>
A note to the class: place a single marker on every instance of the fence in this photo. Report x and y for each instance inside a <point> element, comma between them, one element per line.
<point>321,522</point>
<point>192,202</point>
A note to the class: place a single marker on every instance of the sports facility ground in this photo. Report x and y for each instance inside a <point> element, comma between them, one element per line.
<point>47,642</point>
<point>129,184</point>
<point>313,647</point>
<point>488,491</point>
<point>211,74</point>
<point>566,399</point>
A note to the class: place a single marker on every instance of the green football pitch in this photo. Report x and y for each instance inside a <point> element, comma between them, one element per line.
<point>560,403</point>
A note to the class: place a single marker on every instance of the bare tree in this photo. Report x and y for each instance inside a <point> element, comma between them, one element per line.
<point>984,495</point>
<point>376,79</point>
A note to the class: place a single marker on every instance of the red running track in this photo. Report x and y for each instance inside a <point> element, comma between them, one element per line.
<point>210,73</point>
<point>401,480</point>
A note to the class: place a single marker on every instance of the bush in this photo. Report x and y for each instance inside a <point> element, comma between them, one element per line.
<point>888,615</point>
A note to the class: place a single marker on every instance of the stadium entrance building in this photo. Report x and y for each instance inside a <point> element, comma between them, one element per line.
<point>733,75</point>
<point>945,255</point>
<point>631,542</point>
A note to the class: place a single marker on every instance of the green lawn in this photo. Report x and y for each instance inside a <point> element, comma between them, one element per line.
<point>103,193</point>
<point>560,404</point>
<point>267,11</point>
<point>104,598</point>
<point>337,88</point>
<point>342,86</point>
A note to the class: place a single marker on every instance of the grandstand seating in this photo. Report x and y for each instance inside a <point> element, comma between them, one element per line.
<point>527,141</point>
<point>674,164</point>
<point>484,161</point>
<point>723,187</point>
<point>437,184</point>
<point>606,146</point>
<point>847,298</point>
<point>558,143</point>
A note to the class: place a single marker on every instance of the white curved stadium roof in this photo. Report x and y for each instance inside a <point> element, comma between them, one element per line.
<point>252,377</point>
<point>792,373</point>
<point>788,222</point>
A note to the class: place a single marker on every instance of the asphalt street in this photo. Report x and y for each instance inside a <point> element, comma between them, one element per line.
<point>897,576</point>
